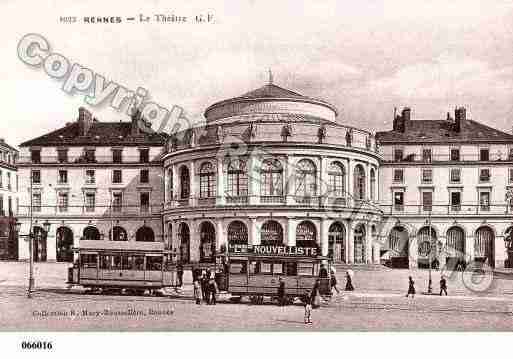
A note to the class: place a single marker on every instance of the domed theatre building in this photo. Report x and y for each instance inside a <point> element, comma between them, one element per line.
<point>272,167</point>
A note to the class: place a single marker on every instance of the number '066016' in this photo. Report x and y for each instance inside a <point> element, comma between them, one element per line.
<point>36,345</point>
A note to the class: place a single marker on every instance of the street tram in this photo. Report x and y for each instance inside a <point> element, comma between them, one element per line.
<point>254,271</point>
<point>116,266</point>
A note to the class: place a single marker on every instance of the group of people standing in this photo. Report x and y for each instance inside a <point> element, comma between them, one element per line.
<point>205,287</point>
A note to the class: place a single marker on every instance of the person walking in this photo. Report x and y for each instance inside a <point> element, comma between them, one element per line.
<point>212,289</point>
<point>204,288</point>
<point>316,295</point>
<point>307,301</point>
<point>333,281</point>
<point>443,285</point>
<point>197,291</point>
<point>411,287</point>
<point>349,282</point>
<point>179,273</point>
<point>281,292</point>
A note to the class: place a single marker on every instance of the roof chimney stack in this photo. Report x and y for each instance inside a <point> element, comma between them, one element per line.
<point>400,121</point>
<point>85,120</point>
<point>460,115</point>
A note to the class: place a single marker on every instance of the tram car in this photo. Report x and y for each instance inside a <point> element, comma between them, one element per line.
<point>255,271</point>
<point>116,266</point>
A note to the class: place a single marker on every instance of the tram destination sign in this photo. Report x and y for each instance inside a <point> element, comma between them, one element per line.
<point>264,250</point>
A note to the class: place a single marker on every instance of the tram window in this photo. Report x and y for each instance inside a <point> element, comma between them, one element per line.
<point>138,263</point>
<point>291,268</point>
<point>238,267</point>
<point>305,269</point>
<point>88,260</point>
<point>266,268</point>
<point>277,268</point>
<point>153,263</point>
<point>254,267</point>
<point>117,262</point>
<point>105,261</point>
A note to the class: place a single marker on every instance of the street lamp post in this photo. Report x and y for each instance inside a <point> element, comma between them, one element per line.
<point>430,282</point>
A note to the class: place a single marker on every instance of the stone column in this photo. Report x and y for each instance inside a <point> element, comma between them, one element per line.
<point>442,255</point>
<point>367,182</point>
<point>254,179</point>
<point>23,243</point>
<point>469,248</point>
<point>291,233</point>
<point>377,249</point>
<point>289,181</point>
<point>221,236</point>
<point>368,243</point>
<point>350,185</point>
<point>324,237</point>
<point>194,184</point>
<point>51,250</point>
<point>500,252</point>
<point>220,183</point>
<point>254,234</point>
<point>194,240</point>
<point>176,184</point>
<point>413,251</point>
<point>350,242</point>
<point>322,187</point>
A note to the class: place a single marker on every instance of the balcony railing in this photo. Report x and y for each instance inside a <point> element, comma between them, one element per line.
<point>73,210</point>
<point>272,199</point>
<point>82,160</point>
<point>448,209</point>
<point>417,158</point>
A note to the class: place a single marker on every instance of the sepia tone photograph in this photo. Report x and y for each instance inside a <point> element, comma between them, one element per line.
<point>256,166</point>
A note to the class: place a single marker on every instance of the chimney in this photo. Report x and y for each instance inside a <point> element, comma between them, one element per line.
<point>400,121</point>
<point>406,113</point>
<point>85,120</point>
<point>460,115</point>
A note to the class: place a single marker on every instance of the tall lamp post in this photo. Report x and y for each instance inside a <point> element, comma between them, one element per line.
<point>30,237</point>
<point>430,281</point>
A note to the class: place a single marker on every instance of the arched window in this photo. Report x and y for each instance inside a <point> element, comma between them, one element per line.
<point>359,244</point>
<point>372,184</point>
<point>359,183</point>
<point>271,234</point>
<point>207,242</point>
<point>306,234</point>
<point>184,234</point>
<point>306,179</point>
<point>456,241</point>
<point>237,181</point>
<point>271,180</point>
<point>185,183</point>
<point>484,246</point>
<point>91,233</point>
<point>207,180</point>
<point>119,234</point>
<point>427,246</point>
<point>336,180</point>
<point>145,234</point>
<point>398,242</point>
<point>336,242</point>
<point>237,233</point>
<point>170,183</point>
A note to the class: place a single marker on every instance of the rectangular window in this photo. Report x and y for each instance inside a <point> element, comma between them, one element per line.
<point>90,177</point>
<point>144,155</point>
<point>145,176</point>
<point>90,156</point>
<point>484,154</point>
<point>35,156</point>
<point>455,154</point>
<point>9,206</point>
<point>455,175</point>
<point>427,176</point>
<point>399,201</point>
<point>62,156</point>
<point>63,176</point>
<point>426,155</point>
<point>145,201</point>
<point>455,201</point>
<point>510,154</point>
<point>117,156</point>
<point>117,176</point>
<point>36,202</point>
<point>90,199</point>
<point>36,176</point>
<point>398,154</point>
<point>1,179</point>
<point>2,211</point>
<point>398,175</point>
<point>484,201</point>
<point>427,201</point>
<point>9,181</point>
<point>484,175</point>
<point>63,202</point>
<point>117,201</point>
<point>510,171</point>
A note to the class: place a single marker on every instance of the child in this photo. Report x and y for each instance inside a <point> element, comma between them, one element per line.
<point>307,300</point>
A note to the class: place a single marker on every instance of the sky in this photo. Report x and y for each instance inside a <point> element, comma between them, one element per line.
<point>365,57</point>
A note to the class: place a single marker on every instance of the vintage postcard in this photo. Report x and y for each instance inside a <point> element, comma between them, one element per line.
<point>256,166</point>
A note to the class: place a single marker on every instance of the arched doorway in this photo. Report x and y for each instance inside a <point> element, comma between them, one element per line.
<point>119,234</point>
<point>336,242</point>
<point>359,244</point>
<point>398,247</point>
<point>64,244</point>
<point>39,247</point>
<point>306,235</point>
<point>207,242</point>
<point>427,248</point>
<point>237,233</point>
<point>508,242</point>
<point>484,246</point>
<point>91,233</point>
<point>185,240</point>
<point>455,248</point>
<point>145,234</point>
<point>271,234</point>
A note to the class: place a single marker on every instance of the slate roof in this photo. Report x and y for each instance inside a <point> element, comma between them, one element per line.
<point>100,133</point>
<point>443,131</point>
<point>6,145</point>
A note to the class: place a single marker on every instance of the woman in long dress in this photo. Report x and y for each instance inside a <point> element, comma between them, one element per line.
<point>411,287</point>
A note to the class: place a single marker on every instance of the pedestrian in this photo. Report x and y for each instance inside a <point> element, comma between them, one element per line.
<point>443,285</point>
<point>323,273</point>
<point>212,289</point>
<point>197,291</point>
<point>307,301</point>
<point>179,273</point>
<point>349,282</point>
<point>411,287</point>
<point>281,292</point>
<point>316,295</point>
<point>204,288</point>
<point>333,281</point>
